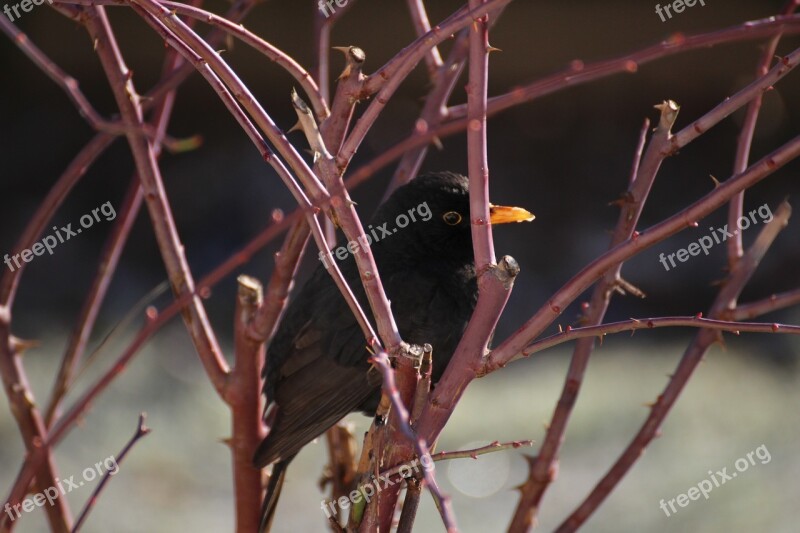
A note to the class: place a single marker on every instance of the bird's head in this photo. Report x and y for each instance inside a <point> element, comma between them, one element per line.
<point>429,217</point>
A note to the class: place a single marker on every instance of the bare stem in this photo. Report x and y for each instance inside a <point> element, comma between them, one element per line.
<point>510,349</point>
<point>141,431</point>
<point>244,400</point>
<point>644,171</point>
<point>169,243</point>
<point>421,447</point>
<point>419,18</point>
<point>726,299</point>
<point>635,324</point>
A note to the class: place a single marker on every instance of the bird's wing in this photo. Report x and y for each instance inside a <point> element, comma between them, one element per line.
<point>317,369</point>
<point>311,400</point>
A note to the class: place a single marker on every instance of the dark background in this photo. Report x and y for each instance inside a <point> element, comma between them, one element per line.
<point>564,157</point>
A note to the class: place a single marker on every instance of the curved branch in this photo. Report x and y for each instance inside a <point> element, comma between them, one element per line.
<point>635,324</point>
<point>726,299</point>
<point>510,349</point>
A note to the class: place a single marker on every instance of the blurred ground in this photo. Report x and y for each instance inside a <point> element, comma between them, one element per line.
<point>178,478</point>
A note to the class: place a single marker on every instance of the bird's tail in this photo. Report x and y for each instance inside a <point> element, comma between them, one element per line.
<point>273,493</point>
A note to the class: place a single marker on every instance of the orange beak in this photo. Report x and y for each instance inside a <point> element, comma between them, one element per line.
<point>500,214</point>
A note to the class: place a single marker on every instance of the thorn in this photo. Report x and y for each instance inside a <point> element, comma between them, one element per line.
<point>669,112</point>
<point>624,199</point>
<point>345,73</point>
<point>715,180</point>
<point>354,56</point>
<point>342,49</point>
<point>721,342</point>
<point>28,397</point>
<point>297,127</point>
<point>491,49</point>
<point>20,346</point>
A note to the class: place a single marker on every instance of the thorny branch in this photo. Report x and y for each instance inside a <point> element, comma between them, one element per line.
<point>322,188</point>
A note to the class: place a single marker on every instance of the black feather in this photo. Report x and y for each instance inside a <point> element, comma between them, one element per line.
<point>317,367</point>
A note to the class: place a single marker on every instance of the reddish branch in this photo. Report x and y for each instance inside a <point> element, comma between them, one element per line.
<point>726,299</point>
<point>762,307</point>
<point>473,453</point>
<point>31,426</point>
<point>734,245</point>
<point>644,169</point>
<point>434,110</point>
<point>385,81</point>
<point>15,381</point>
<point>152,184</point>
<point>578,74</point>
<point>244,400</point>
<point>419,19</point>
<point>76,346</point>
<point>635,324</point>
<point>189,44</point>
<point>78,409</point>
<point>511,348</point>
<point>260,45</point>
<point>323,24</point>
<point>126,215</point>
<point>256,321</point>
<point>141,431</point>
<point>45,212</point>
<point>420,445</point>
<point>685,218</point>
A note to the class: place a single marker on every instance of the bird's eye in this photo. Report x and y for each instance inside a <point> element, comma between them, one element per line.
<point>451,218</point>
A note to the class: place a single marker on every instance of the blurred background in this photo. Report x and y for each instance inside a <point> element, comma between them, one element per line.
<point>564,157</point>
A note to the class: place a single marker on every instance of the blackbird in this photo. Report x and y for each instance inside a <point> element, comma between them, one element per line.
<point>317,368</point>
